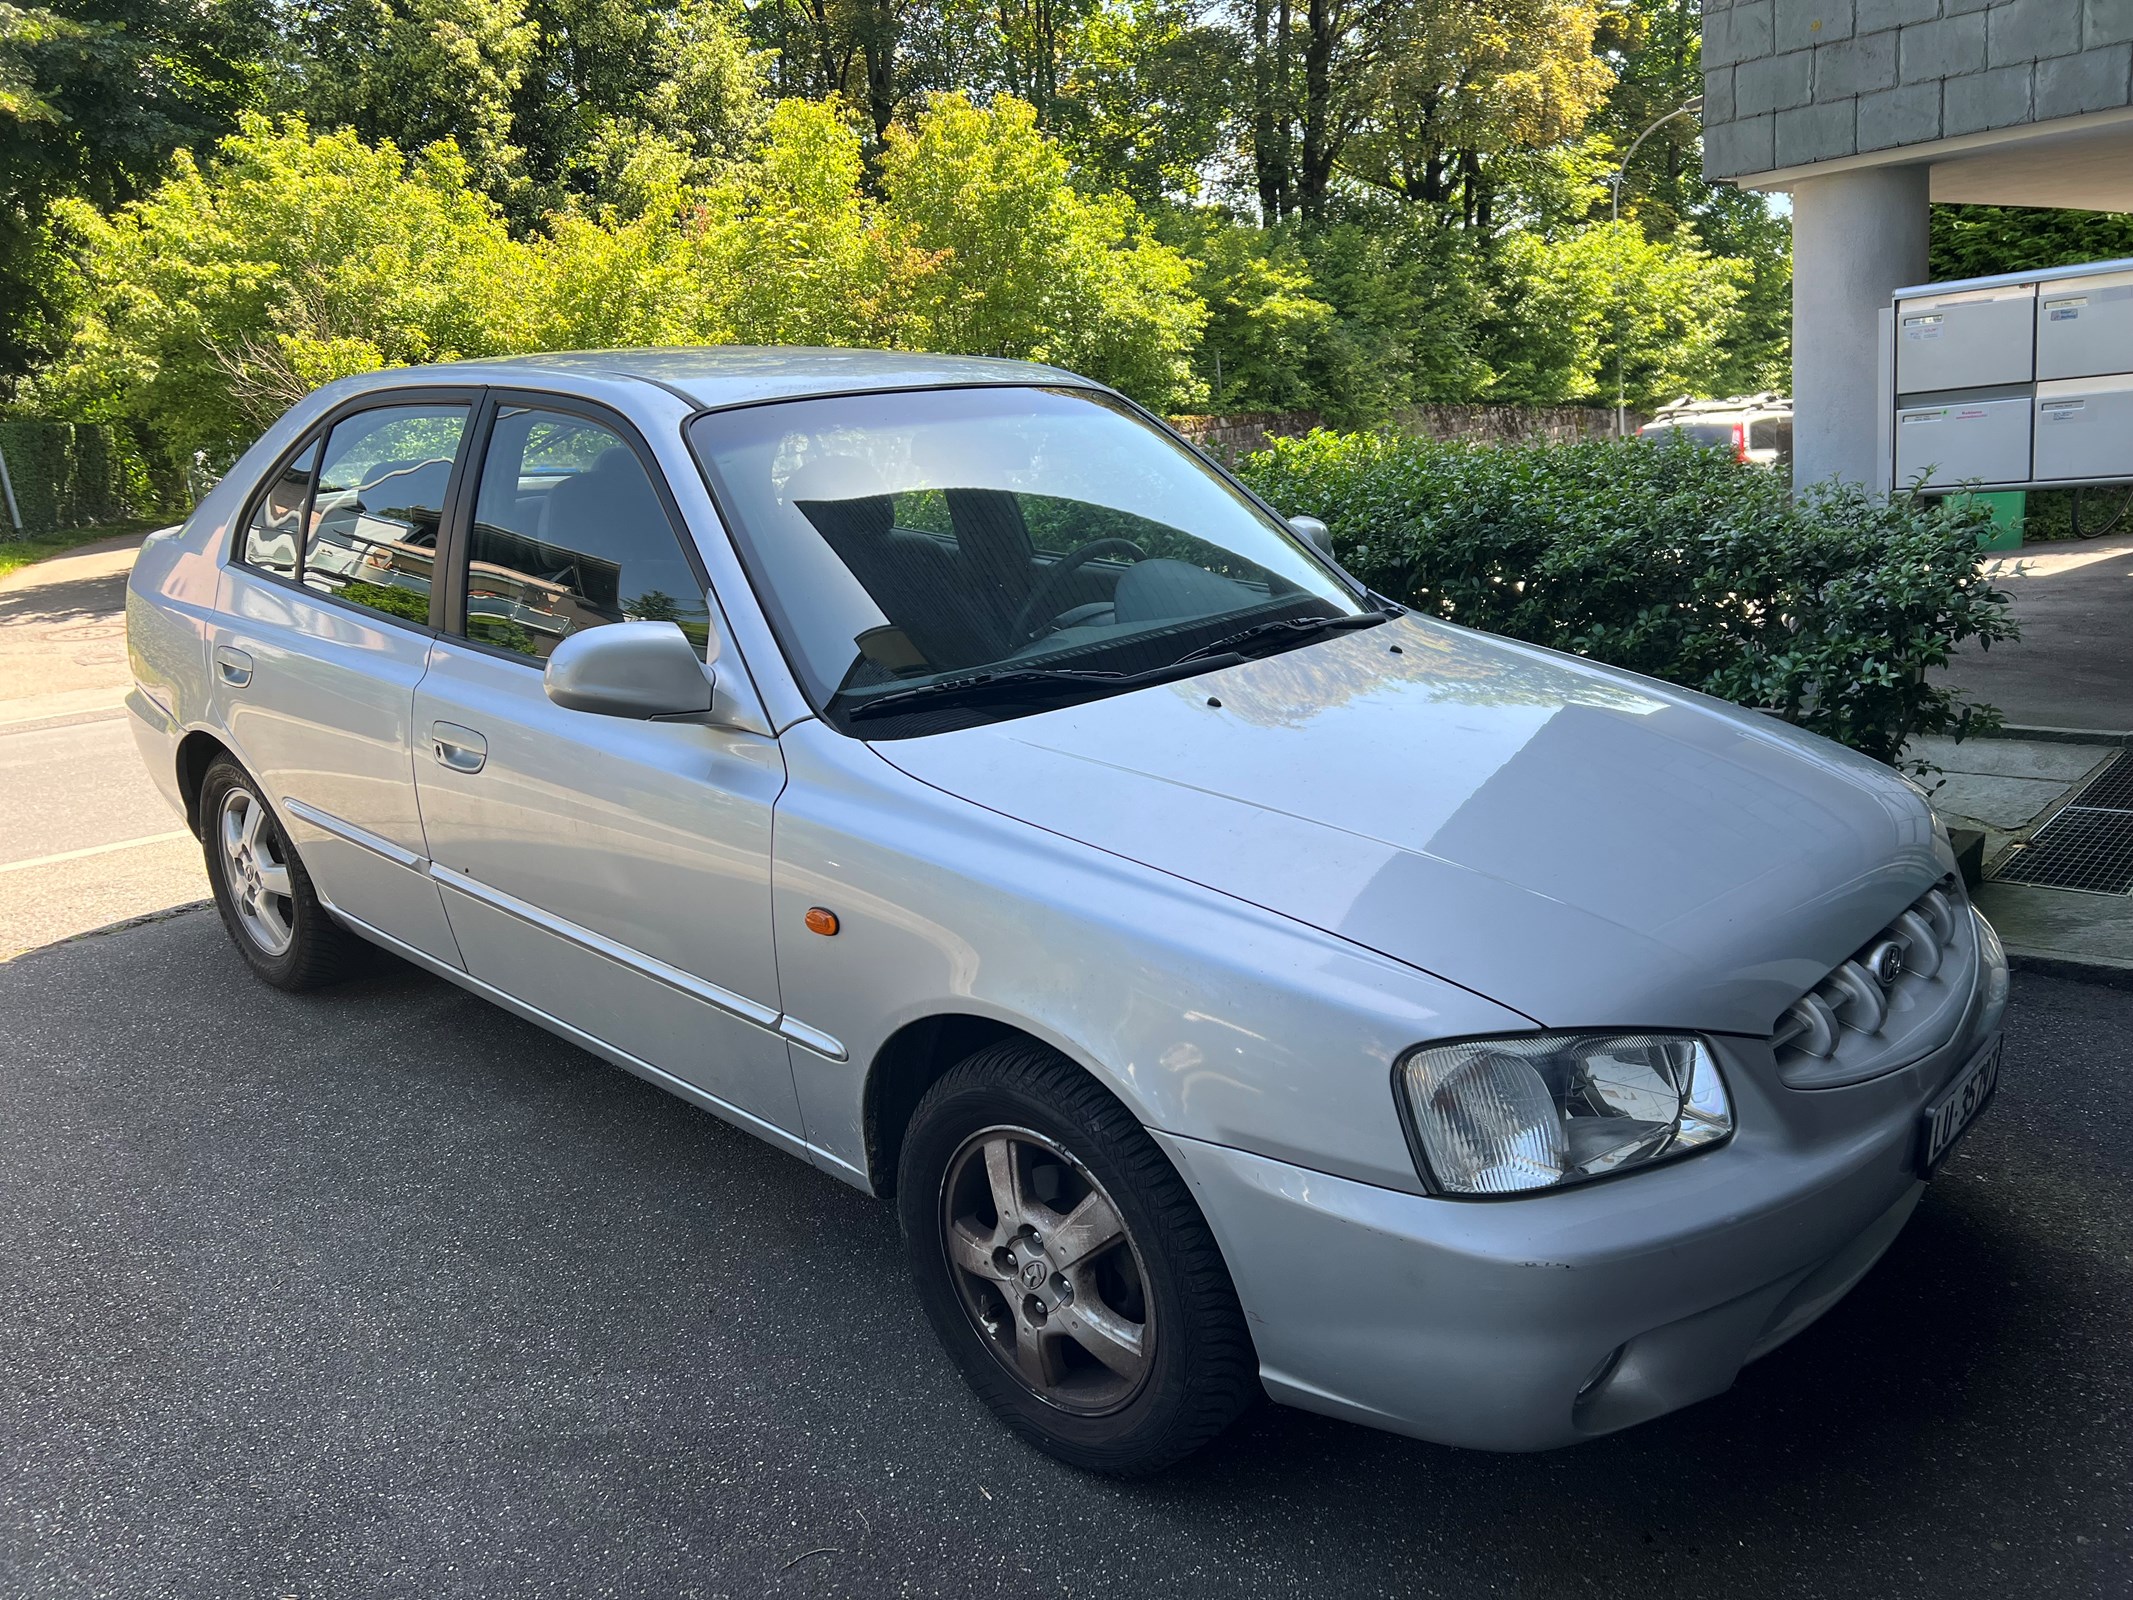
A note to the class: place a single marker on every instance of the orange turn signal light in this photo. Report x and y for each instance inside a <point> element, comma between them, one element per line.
<point>822,920</point>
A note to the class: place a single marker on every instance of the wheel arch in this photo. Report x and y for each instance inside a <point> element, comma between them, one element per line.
<point>196,753</point>
<point>917,1054</point>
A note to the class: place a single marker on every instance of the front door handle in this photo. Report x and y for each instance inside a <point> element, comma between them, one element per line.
<point>234,666</point>
<point>461,749</point>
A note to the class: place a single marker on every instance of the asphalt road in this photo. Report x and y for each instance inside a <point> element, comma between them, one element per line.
<point>385,1293</point>
<point>86,839</point>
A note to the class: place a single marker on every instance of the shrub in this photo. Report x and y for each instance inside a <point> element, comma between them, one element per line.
<point>65,477</point>
<point>1828,610</point>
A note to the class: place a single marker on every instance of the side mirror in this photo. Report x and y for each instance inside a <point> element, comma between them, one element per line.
<point>1313,533</point>
<point>630,669</point>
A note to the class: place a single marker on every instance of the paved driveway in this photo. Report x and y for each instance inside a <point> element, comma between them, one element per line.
<point>85,839</point>
<point>385,1293</point>
<point>2073,666</point>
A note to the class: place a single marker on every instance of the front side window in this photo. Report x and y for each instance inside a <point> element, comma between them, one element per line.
<point>274,537</point>
<point>375,513</point>
<point>1047,540</point>
<point>570,533</point>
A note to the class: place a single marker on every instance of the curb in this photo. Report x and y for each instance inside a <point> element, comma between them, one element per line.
<point>2073,969</point>
<point>2045,735</point>
<point>166,914</point>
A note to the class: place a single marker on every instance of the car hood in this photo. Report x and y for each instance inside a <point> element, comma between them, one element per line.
<point>1583,845</point>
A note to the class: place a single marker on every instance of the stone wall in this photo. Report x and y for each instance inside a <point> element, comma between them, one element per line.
<point>1789,82</point>
<point>1240,433</point>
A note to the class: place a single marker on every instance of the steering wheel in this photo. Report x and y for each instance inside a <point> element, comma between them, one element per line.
<point>1055,579</point>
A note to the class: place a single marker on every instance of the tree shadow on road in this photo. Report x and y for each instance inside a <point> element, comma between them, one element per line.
<point>63,602</point>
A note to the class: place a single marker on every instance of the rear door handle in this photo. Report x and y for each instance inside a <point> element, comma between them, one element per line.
<point>234,665</point>
<point>461,749</point>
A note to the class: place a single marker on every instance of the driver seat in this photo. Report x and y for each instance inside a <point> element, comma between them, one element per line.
<point>993,548</point>
<point>910,578</point>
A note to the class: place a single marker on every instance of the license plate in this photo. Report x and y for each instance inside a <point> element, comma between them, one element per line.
<point>1945,1120</point>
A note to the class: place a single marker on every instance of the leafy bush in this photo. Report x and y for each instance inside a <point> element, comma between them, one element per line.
<point>1676,562</point>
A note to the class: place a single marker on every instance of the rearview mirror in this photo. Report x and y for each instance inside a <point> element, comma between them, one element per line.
<point>630,669</point>
<point>1314,533</point>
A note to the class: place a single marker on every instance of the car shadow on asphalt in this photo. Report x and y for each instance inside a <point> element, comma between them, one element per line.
<point>1954,1376</point>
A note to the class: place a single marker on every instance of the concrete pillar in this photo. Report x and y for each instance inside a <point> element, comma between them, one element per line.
<point>1857,237</point>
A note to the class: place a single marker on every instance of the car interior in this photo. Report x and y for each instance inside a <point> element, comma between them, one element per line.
<point>975,588</point>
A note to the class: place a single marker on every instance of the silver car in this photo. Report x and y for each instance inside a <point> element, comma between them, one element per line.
<point>939,770</point>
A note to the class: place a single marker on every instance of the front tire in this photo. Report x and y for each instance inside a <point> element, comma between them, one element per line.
<point>268,905</point>
<point>1065,1267</point>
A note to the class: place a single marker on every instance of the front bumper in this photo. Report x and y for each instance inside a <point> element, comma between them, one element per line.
<point>1524,1324</point>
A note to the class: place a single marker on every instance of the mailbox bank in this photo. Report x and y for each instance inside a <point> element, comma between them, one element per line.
<point>2017,382</point>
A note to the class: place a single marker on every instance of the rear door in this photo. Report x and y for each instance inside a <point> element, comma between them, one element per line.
<point>613,874</point>
<point>325,630</point>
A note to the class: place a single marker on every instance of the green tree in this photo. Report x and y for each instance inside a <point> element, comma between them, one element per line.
<point>618,95</point>
<point>1265,323</point>
<point>291,258</point>
<point>417,72</point>
<point>1146,98</point>
<point>1029,266</point>
<point>860,50</point>
<point>1430,178</point>
<point>287,261</point>
<point>1979,241</point>
<point>1456,86</point>
<point>94,97</point>
<point>1657,49</point>
<point>1412,290</point>
<point>1575,304</point>
<point>1412,96</point>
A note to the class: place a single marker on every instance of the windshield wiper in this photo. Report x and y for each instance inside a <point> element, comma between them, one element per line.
<point>1023,683</point>
<point>1288,625</point>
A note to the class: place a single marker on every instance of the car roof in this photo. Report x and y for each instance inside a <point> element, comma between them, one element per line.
<point>1686,409</point>
<point>726,375</point>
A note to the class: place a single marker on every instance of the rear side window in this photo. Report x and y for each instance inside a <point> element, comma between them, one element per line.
<point>569,533</point>
<point>1771,433</point>
<point>379,501</point>
<point>275,536</point>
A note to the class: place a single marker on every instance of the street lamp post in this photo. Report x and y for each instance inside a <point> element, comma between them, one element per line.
<point>1688,107</point>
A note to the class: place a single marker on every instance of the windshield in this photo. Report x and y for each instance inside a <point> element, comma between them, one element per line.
<point>921,538</point>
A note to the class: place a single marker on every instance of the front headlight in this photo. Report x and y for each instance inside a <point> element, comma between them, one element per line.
<point>1543,1111</point>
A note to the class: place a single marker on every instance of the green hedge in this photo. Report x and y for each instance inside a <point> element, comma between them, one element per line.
<point>65,475</point>
<point>1680,563</point>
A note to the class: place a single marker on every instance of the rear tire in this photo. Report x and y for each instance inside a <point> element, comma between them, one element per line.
<point>1066,1268</point>
<point>268,905</point>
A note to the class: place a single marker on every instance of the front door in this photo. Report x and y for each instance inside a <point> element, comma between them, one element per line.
<point>324,631</point>
<point>611,873</point>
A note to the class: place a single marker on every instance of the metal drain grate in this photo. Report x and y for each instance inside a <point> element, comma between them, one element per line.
<point>2080,848</point>
<point>2111,789</point>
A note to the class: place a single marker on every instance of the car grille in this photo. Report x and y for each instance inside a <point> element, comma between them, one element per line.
<point>1843,1028</point>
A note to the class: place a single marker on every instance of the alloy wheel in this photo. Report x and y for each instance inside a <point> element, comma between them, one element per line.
<point>256,872</point>
<point>1047,1271</point>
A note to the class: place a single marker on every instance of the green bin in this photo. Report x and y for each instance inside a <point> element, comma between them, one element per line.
<point>2010,509</point>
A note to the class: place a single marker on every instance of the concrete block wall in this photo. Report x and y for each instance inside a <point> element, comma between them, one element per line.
<point>1788,82</point>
